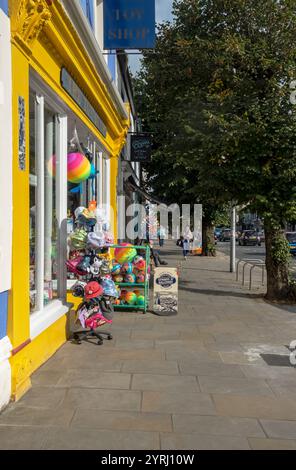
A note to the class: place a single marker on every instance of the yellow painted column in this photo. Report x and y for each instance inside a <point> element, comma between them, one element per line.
<point>19,305</point>
<point>113,194</point>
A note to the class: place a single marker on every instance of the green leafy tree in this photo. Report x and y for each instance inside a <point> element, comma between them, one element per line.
<point>217,96</point>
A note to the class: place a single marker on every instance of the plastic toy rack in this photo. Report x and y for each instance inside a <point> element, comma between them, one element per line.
<point>143,285</point>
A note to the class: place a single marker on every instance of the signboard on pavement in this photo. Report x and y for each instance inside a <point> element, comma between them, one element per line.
<point>165,298</point>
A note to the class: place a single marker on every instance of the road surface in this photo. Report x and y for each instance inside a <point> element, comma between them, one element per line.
<point>252,252</point>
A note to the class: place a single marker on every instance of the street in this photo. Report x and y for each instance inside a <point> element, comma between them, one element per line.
<point>243,251</point>
<point>252,252</point>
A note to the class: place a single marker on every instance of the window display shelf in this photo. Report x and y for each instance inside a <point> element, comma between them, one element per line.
<point>130,307</point>
<point>131,284</point>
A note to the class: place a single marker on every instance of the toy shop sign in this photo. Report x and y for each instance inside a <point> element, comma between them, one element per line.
<point>129,24</point>
<point>165,291</point>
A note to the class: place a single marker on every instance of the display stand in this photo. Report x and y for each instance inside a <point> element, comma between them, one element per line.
<point>143,285</point>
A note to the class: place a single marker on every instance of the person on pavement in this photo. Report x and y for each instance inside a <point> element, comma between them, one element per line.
<point>161,235</point>
<point>187,237</point>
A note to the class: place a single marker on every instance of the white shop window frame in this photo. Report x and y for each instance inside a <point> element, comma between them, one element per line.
<point>99,160</point>
<point>107,184</point>
<point>44,316</point>
<point>98,151</point>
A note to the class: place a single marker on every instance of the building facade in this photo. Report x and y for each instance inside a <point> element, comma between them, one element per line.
<point>63,99</point>
<point>5,200</point>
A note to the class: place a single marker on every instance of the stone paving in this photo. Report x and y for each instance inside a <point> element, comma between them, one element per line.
<point>191,381</point>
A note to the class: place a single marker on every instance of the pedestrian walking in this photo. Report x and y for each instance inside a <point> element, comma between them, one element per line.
<point>187,237</point>
<point>161,235</point>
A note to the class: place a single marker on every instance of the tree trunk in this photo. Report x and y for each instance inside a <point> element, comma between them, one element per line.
<point>208,239</point>
<point>277,265</point>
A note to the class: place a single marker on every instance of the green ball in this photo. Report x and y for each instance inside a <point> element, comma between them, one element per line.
<point>141,300</point>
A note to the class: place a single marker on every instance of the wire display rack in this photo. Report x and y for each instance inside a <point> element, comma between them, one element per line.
<point>142,285</point>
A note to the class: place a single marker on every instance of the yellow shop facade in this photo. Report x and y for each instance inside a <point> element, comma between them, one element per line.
<point>62,96</point>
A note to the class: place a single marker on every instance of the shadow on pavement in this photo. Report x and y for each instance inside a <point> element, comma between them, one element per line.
<point>223,293</point>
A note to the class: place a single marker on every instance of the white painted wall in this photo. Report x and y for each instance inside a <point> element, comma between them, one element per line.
<point>99,24</point>
<point>5,154</point>
<point>5,372</point>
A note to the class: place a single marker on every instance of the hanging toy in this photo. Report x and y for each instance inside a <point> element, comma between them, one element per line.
<point>126,253</point>
<point>95,265</point>
<point>92,206</point>
<point>78,167</point>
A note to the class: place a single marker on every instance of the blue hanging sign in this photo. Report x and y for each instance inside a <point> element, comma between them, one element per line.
<point>129,24</point>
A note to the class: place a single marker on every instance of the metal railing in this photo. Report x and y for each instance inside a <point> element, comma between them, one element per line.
<point>253,262</point>
<point>261,265</point>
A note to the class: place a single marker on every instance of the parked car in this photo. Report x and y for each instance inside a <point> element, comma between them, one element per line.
<point>225,235</point>
<point>249,237</point>
<point>217,232</point>
<point>291,237</point>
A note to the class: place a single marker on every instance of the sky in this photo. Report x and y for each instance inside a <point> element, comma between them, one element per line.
<point>163,13</point>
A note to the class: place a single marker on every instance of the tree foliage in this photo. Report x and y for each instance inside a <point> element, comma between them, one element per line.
<point>216,95</point>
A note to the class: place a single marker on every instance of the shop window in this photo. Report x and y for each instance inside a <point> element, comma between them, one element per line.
<point>88,8</point>
<point>33,214</point>
<point>45,203</point>
<point>50,212</point>
<point>99,164</point>
<point>112,64</point>
<point>81,194</point>
<point>106,185</point>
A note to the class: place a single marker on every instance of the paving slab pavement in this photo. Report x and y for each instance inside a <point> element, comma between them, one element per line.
<point>196,380</point>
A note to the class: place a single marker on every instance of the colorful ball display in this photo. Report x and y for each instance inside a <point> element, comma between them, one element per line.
<point>139,263</point>
<point>140,278</point>
<point>116,268</point>
<point>137,292</point>
<point>141,300</point>
<point>125,254</point>
<point>131,278</point>
<point>131,298</point>
<point>127,268</point>
<point>78,167</point>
